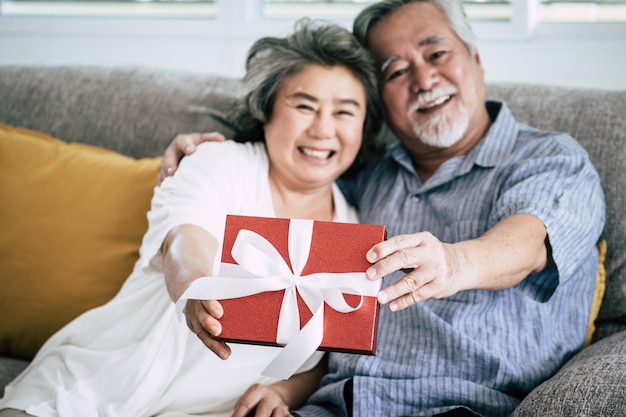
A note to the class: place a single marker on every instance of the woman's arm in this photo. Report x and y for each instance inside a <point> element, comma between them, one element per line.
<point>277,399</point>
<point>188,253</point>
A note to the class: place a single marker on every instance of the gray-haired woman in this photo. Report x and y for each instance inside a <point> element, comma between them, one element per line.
<point>309,108</point>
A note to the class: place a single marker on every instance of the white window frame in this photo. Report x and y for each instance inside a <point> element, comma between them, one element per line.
<point>244,19</point>
<point>61,40</point>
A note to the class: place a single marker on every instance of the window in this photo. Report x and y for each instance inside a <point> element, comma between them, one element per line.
<point>571,42</point>
<point>109,8</point>
<point>525,11</point>
<point>583,11</point>
<point>486,10</point>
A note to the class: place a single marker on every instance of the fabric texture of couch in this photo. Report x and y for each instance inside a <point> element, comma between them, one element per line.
<point>137,111</point>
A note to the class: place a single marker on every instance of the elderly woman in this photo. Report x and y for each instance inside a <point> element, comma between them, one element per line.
<point>309,113</point>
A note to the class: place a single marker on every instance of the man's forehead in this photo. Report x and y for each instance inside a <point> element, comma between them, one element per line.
<point>387,57</point>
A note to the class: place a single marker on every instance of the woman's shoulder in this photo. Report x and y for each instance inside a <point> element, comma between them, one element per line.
<point>233,147</point>
<point>228,154</point>
<point>247,149</point>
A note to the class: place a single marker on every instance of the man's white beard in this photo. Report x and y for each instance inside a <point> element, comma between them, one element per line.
<point>441,132</point>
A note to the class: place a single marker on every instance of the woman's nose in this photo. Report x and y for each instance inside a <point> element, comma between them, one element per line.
<point>322,127</point>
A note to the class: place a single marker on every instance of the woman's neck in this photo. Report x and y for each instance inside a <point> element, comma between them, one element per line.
<point>314,204</point>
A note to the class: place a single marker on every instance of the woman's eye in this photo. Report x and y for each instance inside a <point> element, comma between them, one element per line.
<point>304,107</point>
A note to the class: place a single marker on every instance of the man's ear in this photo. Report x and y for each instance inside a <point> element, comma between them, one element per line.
<point>477,57</point>
<point>478,62</point>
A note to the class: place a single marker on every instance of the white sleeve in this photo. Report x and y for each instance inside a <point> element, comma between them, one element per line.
<point>201,192</point>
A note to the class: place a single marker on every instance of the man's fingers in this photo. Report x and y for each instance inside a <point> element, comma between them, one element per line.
<point>394,254</point>
<point>393,244</point>
<point>211,137</point>
<point>183,144</point>
<point>410,287</point>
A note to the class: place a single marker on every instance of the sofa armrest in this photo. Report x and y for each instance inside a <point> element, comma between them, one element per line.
<point>592,383</point>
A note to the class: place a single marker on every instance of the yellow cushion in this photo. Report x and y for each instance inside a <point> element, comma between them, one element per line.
<point>599,293</point>
<point>72,218</point>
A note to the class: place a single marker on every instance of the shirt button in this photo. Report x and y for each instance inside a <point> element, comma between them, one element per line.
<point>416,198</point>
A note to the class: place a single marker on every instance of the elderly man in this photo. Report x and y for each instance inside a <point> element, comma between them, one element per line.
<point>491,262</point>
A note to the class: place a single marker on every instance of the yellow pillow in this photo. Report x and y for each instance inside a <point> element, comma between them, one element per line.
<point>599,293</point>
<point>72,218</point>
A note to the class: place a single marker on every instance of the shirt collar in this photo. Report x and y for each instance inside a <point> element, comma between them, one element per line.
<point>500,138</point>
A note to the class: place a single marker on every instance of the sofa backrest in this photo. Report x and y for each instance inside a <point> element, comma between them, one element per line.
<point>138,111</point>
<point>135,111</point>
<point>597,119</point>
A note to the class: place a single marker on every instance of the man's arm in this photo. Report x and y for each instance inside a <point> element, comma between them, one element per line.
<point>183,145</point>
<point>501,258</point>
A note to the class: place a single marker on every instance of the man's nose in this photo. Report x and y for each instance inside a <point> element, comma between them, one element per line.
<point>423,77</point>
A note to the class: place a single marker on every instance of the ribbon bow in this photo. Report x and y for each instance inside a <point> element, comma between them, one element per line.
<point>264,269</point>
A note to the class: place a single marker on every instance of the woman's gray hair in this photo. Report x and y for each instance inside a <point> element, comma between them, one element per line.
<point>452,10</point>
<point>270,60</point>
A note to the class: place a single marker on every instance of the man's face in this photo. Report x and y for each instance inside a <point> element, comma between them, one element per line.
<point>432,87</point>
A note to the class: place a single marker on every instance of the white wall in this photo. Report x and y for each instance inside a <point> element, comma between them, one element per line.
<point>570,55</point>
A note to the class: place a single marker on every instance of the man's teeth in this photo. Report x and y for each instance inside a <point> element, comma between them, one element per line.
<point>316,153</point>
<point>434,103</point>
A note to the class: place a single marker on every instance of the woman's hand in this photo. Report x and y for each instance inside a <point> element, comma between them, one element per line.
<point>203,320</point>
<point>188,253</point>
<point>261,401</point>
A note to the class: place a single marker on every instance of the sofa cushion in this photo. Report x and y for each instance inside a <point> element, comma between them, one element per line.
<point>591,384</point>
<point>9,369</point>
<point>72,221</point>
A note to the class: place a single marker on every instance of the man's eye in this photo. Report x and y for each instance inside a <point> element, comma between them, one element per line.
<point>396,74</point>
<point>345,113</point>
<point>437,55</point>
<point>304,107</point>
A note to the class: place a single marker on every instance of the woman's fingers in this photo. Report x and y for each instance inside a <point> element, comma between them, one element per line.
<point>206,325</point>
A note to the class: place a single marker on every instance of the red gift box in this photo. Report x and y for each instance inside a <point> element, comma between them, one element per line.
<point>299,283</point>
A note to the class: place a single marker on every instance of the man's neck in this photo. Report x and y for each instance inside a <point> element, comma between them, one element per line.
<point>427,159</point>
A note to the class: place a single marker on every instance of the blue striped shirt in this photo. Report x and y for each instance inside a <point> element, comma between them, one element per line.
<point>484,350</point>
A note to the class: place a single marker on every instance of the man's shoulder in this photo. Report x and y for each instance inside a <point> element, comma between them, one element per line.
<point>530,135</point>
<point>549,142</point>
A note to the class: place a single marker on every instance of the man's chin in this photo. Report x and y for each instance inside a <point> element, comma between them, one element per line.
<point>441,135</point>
<point>439,140</point>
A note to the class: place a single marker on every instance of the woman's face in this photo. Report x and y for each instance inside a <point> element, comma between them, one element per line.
<point>316,127</point>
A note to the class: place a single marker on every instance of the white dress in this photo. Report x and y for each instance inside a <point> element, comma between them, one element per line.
<point>133,357</point>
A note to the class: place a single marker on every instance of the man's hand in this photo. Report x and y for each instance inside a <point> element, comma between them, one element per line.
<point>182,145</point>
<point>203,320</point>
<point>261,401</point>
<point>501,258</point>
<point>431,268</point>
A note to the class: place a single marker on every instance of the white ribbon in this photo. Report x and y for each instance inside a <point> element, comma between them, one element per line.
<point>264,269</point>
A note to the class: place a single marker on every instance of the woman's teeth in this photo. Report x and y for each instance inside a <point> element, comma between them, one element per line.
<point>315,153</point>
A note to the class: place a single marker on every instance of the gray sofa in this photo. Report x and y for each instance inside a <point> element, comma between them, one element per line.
<point>137,111</point>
